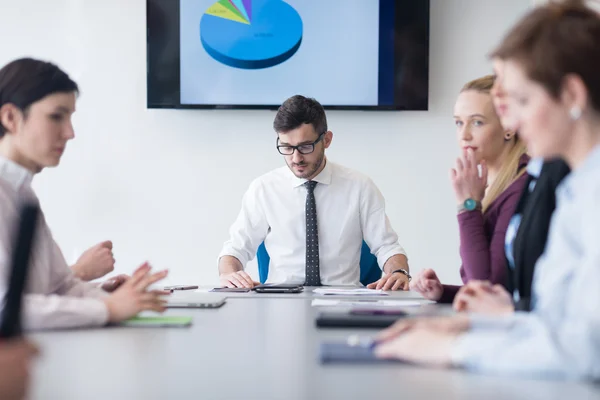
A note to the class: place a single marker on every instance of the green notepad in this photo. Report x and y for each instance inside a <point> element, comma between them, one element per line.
<point>167,321</point>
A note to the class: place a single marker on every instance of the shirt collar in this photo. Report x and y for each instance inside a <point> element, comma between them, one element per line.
<point>13,173</point>
<point>534,168</point>
<point>587,171</point>
<point>324,176</point>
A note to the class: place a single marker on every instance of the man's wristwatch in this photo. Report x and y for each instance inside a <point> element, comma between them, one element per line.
<point>469,205</point>
<point>402,271</point>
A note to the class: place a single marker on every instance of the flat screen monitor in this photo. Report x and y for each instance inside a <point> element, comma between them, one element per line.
<point>348,54</point>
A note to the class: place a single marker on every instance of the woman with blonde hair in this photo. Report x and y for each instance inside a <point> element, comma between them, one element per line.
<point>487,199</point>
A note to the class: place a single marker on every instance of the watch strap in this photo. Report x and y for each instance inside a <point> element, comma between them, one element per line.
<point>478,207</point>
<point>402,271</point>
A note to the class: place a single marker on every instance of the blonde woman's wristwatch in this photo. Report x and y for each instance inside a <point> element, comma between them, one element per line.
<point>469,205</point>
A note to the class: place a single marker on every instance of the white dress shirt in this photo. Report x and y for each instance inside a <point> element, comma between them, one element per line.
<point>561,336</point>
<point>350,208</point>
<point>54,297</point>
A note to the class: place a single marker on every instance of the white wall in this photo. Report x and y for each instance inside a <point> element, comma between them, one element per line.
<point>165,185</point>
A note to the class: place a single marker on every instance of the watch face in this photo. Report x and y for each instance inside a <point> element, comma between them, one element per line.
<point>470,204</point>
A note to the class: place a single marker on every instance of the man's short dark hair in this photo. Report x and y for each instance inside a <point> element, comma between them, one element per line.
<point>298,110</point>
<point>26,80</point>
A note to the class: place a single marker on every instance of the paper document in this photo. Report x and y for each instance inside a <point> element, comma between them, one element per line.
<point>364,303</point>
<point>350,292</point>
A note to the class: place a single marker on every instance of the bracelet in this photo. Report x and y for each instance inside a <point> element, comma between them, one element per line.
<point>402,271</point>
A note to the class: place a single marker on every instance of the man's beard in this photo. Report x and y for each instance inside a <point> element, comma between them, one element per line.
<point>310,168</point>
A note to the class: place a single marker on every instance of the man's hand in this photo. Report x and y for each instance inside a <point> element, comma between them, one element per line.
<point>396,281</point>
<point>95,262</point>
<point>133,297</point>
<point>15,366</point>
<point>237,279</point>
<point>428,285</point>
<point>232,275</point>
<point>482,297</point>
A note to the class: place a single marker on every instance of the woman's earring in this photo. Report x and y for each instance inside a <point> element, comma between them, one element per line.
<point>575,113</point>
<point>507,136</point>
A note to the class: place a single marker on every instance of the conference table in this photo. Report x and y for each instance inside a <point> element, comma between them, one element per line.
<point>256,346</point>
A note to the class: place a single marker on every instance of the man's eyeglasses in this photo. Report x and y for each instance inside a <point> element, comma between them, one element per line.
<point>307,148</point>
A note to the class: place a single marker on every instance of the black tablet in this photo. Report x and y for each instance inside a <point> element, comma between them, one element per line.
<point>279,288</point>
<point>337,319</point>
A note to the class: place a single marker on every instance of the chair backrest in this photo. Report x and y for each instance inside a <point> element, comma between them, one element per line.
<point>369,269</point>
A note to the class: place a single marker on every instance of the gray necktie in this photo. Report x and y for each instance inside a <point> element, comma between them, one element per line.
<point>313,275</point>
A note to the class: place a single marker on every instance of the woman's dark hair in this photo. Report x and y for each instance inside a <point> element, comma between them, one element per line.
<point>26,80</point>
<point>555,40</point>
<point>298,110</point>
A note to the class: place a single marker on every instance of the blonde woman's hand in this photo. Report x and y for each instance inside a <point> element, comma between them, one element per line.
<point>428,285</point>
<point>484,298</point>
<point>465,178</point>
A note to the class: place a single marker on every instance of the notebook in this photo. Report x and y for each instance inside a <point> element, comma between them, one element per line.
<point>158,321</point>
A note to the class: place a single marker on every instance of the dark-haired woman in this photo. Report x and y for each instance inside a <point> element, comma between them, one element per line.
<point>37,100</point>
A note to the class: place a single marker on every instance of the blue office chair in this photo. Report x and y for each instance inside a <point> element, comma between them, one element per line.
<point>369,269</point>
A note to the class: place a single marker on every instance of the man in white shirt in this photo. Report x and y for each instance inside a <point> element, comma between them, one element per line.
<point>312,214</point>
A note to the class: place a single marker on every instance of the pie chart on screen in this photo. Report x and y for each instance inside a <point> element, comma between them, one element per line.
<point>251,34</point>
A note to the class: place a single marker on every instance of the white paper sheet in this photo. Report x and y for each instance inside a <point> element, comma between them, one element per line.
<point>350,292</point>
<point>364,303</point>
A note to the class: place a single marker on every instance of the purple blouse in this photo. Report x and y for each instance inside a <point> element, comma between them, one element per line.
<point>482,237</point>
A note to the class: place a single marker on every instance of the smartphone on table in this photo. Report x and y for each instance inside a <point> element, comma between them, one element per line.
<point>231,289</point>
<point>180,287</point>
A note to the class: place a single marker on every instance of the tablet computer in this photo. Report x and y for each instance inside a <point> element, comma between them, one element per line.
<point>339,319</point>
<point>279,288</point>
<point>347,352</point>
<point>194,300</point>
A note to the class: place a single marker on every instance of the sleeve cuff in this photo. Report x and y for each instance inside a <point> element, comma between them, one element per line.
<point>98,312</point>
<point>449,294</point>
<point>459,353</point>
<point>382,259</point>
<point>470,348</point>
<point>487,322</point>
<point>96,291</point>
<point>486,332</point>
<point>233,253</point>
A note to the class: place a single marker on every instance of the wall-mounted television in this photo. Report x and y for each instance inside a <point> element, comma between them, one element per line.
<point>253,54</point>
